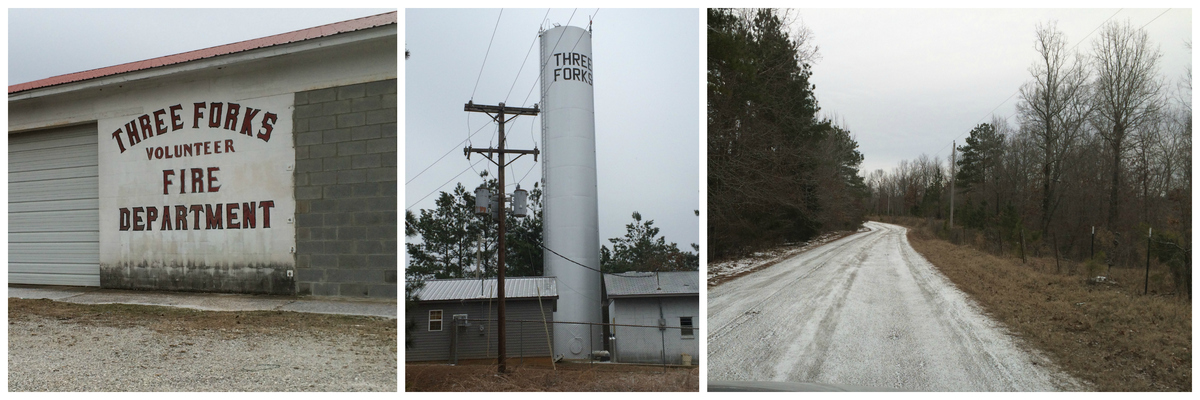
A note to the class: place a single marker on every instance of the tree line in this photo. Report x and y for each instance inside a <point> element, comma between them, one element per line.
<point>1100,139</point>
<point>451,241</point>
<point>777,172</point>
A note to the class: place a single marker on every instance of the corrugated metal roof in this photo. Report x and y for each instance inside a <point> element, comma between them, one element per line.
<point>283,38</point>
<point>642,284</point>
<point>483,289</point>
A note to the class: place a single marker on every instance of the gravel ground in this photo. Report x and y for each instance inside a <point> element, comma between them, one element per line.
<point>114,351</point>
<point>866,310</point>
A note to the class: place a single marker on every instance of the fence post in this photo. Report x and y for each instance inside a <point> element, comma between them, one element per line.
<point>1022,244</point>
<point>1146,288</point>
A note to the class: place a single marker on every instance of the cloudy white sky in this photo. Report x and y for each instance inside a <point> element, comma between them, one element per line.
<point>907,82</point>
<point>49,42</point>
<point>647,97</point>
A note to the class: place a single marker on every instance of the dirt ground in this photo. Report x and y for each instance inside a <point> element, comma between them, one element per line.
<point>57,346</point>
<point>1108,334</point>
<point>567,378</point>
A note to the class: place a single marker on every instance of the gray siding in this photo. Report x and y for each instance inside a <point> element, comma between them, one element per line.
<point>645,345</point>
<point>524,339</point>
<point>346,218</point>
<point>53,207</point>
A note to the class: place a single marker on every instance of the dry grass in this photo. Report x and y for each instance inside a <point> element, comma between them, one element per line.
<point>567,378</point>
<point>1107,334</point>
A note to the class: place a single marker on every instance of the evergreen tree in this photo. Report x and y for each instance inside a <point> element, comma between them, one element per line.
<point>642,249</point>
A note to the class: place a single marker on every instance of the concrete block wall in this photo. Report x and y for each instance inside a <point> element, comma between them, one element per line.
<point>346,217</point>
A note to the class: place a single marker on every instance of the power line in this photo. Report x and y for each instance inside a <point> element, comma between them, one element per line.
<point>1019,89</point>
<point>541,62</point>
<point>565,257</point>
<point>527,52</point>
<point>444,184</point>
<point>444,155</point>
<point>485,54</point>
<point>1159,15</point>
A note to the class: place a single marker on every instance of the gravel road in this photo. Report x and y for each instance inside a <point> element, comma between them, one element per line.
<point>61,352</point>
<point>866,310</point>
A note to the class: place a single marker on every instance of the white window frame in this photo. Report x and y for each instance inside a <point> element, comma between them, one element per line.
<point>690,328</point>
<point>440,323</point>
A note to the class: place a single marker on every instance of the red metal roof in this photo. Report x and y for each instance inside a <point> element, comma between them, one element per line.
<point>283,38</point>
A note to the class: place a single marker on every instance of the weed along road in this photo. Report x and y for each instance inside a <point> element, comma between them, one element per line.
<point>865,310</point>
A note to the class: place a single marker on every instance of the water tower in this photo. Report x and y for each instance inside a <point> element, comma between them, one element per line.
<point>569,215</point>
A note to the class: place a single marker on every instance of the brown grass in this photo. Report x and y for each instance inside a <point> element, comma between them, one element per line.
<point>567,378</point>
<point>1107,334</point>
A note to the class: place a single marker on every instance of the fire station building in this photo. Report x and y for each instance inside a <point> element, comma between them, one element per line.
<point>264,166</point>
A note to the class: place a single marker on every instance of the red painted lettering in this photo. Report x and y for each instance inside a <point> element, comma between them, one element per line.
<point>248,215</point>
<point>231,116</point>
<point>228,145</point>
<point>213,219</point>
<point>181,218</point>
<point>215,114</point>
<point>166,219</point>
<point>160,126</point>
<point>176,120</point>
<point>267,124</point>
<point>266,207</point>
<point>167,174</point>
<point>197,179</point>
<point>124,219</point>
<point>151,216</point>
<point>196,210</point>
<point>137,219</point>
<point>144,123</point>
<point>246,118</point>
<point>231,217</point>
<point>131,131</point>
<point>117,135</point>
<point>212,178</point>
<point>198,114</point>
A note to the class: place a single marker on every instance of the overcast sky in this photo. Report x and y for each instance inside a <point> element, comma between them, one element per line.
<point>49,42</point>
<point>907,82</point>
<point>647,103</point>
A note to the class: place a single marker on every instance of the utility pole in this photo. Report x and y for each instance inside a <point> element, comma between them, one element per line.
<point>497,113</point>
<point>952,156</point>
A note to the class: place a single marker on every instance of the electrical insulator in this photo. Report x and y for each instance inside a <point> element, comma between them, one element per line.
<point>518,207</point>
<point>482,197</point>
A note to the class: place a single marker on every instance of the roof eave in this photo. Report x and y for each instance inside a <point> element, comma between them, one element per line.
<point>619,296</point>
<point>210,62</point>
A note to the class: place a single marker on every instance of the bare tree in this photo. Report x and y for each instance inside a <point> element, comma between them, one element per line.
<point>1054,108</point>
<point>1127,94</point>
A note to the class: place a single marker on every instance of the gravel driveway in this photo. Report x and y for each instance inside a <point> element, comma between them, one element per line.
<point>71,347</point>
<point>865,310</point>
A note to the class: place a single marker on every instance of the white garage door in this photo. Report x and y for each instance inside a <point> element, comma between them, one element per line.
<point>53,201</point>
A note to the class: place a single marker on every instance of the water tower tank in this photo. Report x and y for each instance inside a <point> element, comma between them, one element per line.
<point>569,215</point>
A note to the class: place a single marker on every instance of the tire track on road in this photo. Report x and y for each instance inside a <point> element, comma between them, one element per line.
<point>867,311</point>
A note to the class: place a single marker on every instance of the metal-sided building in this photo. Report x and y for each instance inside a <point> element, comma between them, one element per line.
<point>451,321</point>
<point>660,299</point>
<point>263,166</point>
